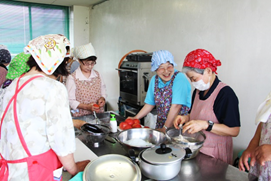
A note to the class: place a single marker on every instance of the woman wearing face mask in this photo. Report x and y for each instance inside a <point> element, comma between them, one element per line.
<point>214,107</point>
<point>169,91</point>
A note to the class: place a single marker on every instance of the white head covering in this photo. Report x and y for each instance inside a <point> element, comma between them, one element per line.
<point>160,57</point>
<point>264,110</point>
<point>49,51</point>
<point>3,47</point>
<point>84,51</point>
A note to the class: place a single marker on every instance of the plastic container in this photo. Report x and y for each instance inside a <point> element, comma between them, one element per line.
<point>113,124</point>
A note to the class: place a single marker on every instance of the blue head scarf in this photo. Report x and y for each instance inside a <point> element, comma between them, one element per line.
<point>160,57</point>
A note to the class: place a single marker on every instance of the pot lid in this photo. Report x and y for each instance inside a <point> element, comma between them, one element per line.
<point>112,167</point>
<point>163,154</point>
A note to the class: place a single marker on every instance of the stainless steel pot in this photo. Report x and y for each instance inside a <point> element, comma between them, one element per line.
<point>112,167</point>
<point>161,162</point>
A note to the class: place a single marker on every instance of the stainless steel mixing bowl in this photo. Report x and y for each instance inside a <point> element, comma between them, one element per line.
<point>190,142</point>
<point>148,135</point>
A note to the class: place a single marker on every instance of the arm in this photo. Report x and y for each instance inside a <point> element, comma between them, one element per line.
<point>249,152</point>
<point>144,111</point>
<point>194,126</point>
<point>70,165</point>
<point>71,87</point>
<point>78,123</point>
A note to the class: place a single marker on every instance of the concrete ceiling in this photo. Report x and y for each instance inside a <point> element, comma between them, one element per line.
<point>66,2</point>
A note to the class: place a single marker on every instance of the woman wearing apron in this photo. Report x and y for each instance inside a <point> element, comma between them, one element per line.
<point>36,129</point>
<point>214,107</point>
<point>85,85</point>
<point>169,91</point>
<point>259,148</point>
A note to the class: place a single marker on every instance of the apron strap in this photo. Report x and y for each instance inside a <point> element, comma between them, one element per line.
<point>14,98</point>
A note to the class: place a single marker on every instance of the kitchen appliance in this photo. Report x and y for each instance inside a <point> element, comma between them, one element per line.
<point>161,162</point>
<point>190,142</point>
<point>133,138</point>
<point>95,133</point>
<point>135,75</point>
<point>112,167</point>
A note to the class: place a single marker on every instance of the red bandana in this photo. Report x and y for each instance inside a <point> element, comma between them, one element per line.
<point>201,59</point>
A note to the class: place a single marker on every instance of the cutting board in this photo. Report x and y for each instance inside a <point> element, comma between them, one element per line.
<point>82,152</point>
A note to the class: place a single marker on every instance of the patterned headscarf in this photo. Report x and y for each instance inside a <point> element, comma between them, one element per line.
<point>160,57</point>
<point>5,56</point>
<point>49,51</point>
<point>18,66</point>
<point>84,51</point>
<point>201,59</point>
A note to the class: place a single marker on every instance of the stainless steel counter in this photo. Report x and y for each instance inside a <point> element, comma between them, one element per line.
<point>201,168</point>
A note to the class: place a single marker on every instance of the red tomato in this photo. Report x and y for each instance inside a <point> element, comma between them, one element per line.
<point>136,125</point>
<point>127,127</point>
<point>136,121</point>
<point>96,105</point>
<point>146,127</point>
<point>123,125</point>
<point>129,121</point>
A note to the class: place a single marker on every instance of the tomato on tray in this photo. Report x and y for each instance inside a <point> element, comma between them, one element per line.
<point>136,121</point>
<point>136,125</point>
<point>123,125</point>
<point>129,121</point>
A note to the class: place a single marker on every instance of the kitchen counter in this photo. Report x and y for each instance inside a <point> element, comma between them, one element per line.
<point>201,168</point>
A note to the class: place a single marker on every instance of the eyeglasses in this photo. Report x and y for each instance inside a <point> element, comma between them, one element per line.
<point>87,63</point>
<point>163,69</point>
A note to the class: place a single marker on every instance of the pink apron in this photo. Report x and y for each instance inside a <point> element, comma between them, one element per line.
<point>87,92</point>
<point>220,147</point>
<point>40,167</point>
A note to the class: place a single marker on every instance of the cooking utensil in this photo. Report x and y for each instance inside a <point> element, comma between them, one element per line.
<point>140,135</point>
<point>91,136</point>
<point>112,167</point>
<point>190,142</point>
<point>149,135</point>
<point>161,162</point>
<point>96,119</point>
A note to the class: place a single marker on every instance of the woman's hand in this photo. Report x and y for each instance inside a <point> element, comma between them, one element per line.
<point>180,120</point>
<point>78,123</point>
<point>262,154</point>
<point>93,108</point>
<point>243,161</point>
<point>194,126</point>
<point>81,165</point>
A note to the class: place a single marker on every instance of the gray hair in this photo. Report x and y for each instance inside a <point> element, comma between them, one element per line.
<point>197,70</point>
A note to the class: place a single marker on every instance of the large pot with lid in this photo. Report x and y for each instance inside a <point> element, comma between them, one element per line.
<point>112,167</point>
<point>161,162</point>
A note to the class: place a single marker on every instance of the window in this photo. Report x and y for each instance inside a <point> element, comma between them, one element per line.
<point>21,22</point>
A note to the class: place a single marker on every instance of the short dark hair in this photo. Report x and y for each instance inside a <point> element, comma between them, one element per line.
<point>61,69</point>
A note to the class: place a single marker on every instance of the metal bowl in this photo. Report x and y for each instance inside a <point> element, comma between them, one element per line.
<point>96,138</point>
<point>190,142</point>
<point>148,135</point>
<point>112,167</point>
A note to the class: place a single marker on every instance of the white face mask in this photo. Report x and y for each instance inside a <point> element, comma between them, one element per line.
<point>200,85</point>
